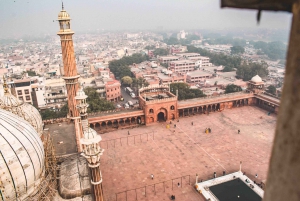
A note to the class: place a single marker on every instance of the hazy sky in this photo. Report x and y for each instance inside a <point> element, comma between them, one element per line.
<point>36,17</point>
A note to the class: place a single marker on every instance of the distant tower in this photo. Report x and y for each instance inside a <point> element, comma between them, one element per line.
<point>70,71</point>
<point>91,148</point>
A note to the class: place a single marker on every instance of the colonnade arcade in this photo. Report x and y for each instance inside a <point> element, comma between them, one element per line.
<point>117,123</point>
<point>203,109</point>
<point>266,105</point>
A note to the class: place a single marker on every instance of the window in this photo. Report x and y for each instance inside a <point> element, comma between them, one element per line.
<point>107,90</point>
<point>172,107</point>
<point>151,111</point>
<point>21,98</point>
<point>20,93</point>
<point>26,91</point>
<point>27,98</point>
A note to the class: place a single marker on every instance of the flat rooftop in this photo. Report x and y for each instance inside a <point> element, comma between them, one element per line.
<point>183,62</point>
<point>187,151</point>
<point>63,135</point>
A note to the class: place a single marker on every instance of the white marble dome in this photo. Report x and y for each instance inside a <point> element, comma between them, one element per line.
<point>63,15</point>
<point>256,78</point>
<point>90,136</point>
<point>21,157</point>
<point>26,111</point>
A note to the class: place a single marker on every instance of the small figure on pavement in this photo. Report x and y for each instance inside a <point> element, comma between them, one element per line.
<point>128,133</point>
<point>239,131</point>
<point>152,176</point>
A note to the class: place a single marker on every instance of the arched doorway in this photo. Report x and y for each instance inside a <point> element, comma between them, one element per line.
<point>161,116</point>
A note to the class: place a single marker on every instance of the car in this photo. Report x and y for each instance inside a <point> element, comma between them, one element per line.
<point>118,106</point>
<point>126,105</point>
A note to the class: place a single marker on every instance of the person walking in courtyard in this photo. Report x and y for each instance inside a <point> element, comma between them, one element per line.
<point>128,133</point>
<point>239,131</point>
<point>192,123</point>
<point>215,174</point>
<point>152,176</point>
<point>178,184</point>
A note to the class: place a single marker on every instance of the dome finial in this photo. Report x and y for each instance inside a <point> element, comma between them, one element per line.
<point>5,87</point>
<point>62,5</point>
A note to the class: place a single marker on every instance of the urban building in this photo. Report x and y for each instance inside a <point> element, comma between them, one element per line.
<point>182,66</point>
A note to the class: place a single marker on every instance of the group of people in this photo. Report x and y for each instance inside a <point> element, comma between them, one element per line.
<point>208,130</point>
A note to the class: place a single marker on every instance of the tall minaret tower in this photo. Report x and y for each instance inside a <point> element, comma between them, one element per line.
<point>91,147</point>
<point>70,71</point>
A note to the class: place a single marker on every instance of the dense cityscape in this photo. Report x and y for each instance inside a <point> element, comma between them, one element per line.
<point>151,114</point>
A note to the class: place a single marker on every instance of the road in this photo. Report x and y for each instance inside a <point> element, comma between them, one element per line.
<point>126,97</point>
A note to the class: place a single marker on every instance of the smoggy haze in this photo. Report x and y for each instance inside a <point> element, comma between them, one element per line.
<point>36,17</point>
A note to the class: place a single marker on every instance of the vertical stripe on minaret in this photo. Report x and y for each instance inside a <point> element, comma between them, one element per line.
<point>70,71</point>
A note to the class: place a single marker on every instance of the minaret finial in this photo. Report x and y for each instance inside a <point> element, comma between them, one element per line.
<point>62,5</point>
<point>5,87</point>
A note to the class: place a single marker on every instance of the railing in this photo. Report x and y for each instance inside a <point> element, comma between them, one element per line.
<point>119,140</point>
<point>153,186</point>
<point>161,100</point>
<point>216,96</point>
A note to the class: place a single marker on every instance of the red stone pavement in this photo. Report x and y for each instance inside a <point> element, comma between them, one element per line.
<point>127,165</point>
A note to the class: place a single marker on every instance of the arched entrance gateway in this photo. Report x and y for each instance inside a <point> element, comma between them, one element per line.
<point>162,114</point>
<point>161,117</point>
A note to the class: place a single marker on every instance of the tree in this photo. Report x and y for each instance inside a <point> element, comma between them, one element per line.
<point>96,103</point>
<point>31,73</point>
<point>275,50</point>
<point>247,71</point>
<point>172,41</point>
<point>140,82</point>
<point>126,80</point>
<point>160,52</point>
<point>231,88</point>
<point>51,114</point>
<point>185,92</point>
<point>271,89</point>
<point>237,50</point>
<point>120,67</point>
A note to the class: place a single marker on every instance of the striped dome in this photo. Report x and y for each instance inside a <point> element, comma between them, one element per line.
<point>28,112</point>
<point>21,157</point>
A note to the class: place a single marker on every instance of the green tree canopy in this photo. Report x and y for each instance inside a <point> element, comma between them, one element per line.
<point>51,114</point>
<point>120,67</point>
<point>126,80</point>
<point>231,88</point>
<point>230,62</point>
<point>237,50</point>
<point>246,72</point>
<point>185,92</point>
<point>140,82</point>
<point>31,73</point>
<point>160,52</point>
<point>171,41</point>
<point>96,103</point>
<point>275,50</point>
<point>271,89</point>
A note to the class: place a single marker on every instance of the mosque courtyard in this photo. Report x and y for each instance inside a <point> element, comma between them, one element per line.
<point>129,160</point>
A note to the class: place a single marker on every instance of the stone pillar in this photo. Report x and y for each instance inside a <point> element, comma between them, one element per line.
<point>96,181</point>
<point>283,182</point>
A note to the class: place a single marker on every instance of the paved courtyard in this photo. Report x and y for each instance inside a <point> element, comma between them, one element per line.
<point>129,160</point>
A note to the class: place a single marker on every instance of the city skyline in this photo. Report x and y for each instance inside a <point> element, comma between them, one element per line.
<point>34,18</point>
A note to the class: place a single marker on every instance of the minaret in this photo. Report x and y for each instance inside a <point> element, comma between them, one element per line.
<point>70,71</point>
<point>91,147</point>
